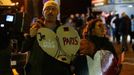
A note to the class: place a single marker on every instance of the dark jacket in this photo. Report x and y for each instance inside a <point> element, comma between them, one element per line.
<point>5,52</point>
<point>103,43</point>
<point>40,63</point>
<point>4,38</point>
<point>125,25</point>
<point>80,65</point>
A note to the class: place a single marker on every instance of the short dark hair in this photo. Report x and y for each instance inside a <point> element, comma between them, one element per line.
<point>132,16</point>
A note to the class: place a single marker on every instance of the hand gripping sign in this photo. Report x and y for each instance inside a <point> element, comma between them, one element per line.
<point>62,46</point>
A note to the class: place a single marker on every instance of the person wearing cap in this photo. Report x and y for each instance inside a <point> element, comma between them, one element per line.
<point>39,62</point>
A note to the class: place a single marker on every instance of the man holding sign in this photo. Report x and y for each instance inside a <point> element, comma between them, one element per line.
<point>49,44</point>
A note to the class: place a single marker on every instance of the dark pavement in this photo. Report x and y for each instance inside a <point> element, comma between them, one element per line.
<point>128,63</point>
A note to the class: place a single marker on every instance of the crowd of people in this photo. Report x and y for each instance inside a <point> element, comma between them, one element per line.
<point>96,54</point>
<point>118,26</point>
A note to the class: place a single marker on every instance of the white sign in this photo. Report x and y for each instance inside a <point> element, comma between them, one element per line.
<point>62,45</point>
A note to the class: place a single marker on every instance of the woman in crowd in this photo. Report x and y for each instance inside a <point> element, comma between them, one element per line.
<point>99,54</point>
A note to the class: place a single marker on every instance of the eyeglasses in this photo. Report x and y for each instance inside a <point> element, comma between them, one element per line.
<point>50,8</point>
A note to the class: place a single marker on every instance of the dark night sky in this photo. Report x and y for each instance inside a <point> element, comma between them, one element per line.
<point>73,6</point>
<point>67,7</point>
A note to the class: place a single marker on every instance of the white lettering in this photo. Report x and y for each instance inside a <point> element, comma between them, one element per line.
<point>48,44</point>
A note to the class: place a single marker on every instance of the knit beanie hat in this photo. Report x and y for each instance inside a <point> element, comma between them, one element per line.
<point>50,3</point>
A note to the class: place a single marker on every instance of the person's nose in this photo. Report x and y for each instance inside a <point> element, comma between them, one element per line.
<point>50,11</point>
<point>103,29</point>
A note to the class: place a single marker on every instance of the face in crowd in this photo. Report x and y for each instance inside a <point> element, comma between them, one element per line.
<point>98,28</point>
<point>50,11</point>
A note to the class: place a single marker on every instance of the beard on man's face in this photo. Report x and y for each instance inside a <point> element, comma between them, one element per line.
<point>50,17</point>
